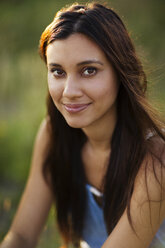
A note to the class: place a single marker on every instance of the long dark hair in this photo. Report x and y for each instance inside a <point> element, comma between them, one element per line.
<point>136,118</point>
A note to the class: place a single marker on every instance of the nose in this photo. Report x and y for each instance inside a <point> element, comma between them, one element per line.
<point>72,88</point>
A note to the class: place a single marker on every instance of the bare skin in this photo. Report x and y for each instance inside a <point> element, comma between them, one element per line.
<point>146,218</point>
<point>74,83</point>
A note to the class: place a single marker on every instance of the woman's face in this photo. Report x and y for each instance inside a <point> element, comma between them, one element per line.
<point>81,81</point>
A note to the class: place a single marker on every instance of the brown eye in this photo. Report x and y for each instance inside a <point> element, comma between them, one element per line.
<point>58,72</point>
<point>89,71</point>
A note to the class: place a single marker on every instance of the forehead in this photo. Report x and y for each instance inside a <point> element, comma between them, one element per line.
<point>76,47</point>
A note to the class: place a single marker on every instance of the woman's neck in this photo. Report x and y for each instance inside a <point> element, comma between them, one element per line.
<point>99,136</point>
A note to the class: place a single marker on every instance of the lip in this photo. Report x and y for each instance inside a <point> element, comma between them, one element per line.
<point>74,108</point>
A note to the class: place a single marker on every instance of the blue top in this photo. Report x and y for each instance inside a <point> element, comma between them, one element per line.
<point>94,231</point>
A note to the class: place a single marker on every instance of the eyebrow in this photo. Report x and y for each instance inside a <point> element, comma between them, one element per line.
<point>54,65</point>
<point>79,64</point>
<point>90,62</point>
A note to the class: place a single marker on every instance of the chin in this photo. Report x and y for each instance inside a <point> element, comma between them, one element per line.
<point>76,124</point>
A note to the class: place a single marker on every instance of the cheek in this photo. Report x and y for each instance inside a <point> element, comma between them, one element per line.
<point>55,89</point>
<point>111,87</point>
<point>105,85</point>
<point>105,91</point>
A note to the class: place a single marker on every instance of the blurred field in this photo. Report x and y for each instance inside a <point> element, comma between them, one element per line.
<point>23,85</point>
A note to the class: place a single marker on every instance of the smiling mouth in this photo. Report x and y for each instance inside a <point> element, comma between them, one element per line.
<point>74,108</point>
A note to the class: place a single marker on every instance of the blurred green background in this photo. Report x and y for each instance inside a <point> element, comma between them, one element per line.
<point>23,85</point>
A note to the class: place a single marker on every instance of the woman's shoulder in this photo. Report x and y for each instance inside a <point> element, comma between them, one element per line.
<point>151,175</point>
<point>44,131</point>
<point>156,146</point>
<point>43,138</point>
<point>44,128</point>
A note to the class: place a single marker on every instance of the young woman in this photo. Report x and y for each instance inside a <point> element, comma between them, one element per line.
<point>100,153</point>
